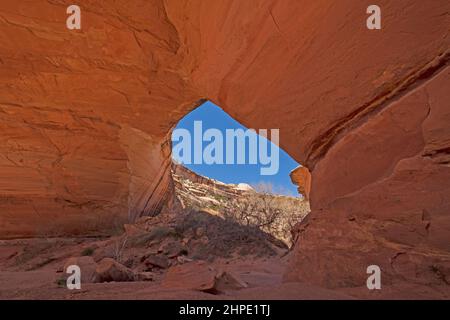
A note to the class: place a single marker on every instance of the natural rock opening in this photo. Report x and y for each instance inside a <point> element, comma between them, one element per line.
<point>85,118</point>
<point>223,169</point>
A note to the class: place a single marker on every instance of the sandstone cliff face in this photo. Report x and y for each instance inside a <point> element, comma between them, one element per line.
<point>239,203</point>
<point>85,116</point>
<point>302,178</point>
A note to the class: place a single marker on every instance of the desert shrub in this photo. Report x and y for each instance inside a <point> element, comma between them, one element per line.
<point>156,233</point>
<point>61,282</point>
<point>223,237</point>
<point>88,251</point>
<point>191,221</point>
<point>161,232</point>
<point>268,212</point>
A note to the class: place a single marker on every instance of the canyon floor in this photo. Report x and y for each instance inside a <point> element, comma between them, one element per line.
<point>40,278</point>
<point>203,248</point>
<point>164,263</point>
<point>262,276</point>
<point>187,252</point>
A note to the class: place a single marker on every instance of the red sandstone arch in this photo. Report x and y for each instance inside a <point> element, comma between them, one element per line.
<point>85,116</point>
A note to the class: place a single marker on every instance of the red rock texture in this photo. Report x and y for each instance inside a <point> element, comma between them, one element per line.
<point>87,266</point>
<point>201,277</point>
<point>392,204</point>
<point>85,116</point>
<point>301,177</point>
<point>110,270</point>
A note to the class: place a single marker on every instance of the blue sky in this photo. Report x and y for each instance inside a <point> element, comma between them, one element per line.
<point>214,117</point>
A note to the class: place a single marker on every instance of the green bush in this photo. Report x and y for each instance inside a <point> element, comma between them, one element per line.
<point>87,251</point>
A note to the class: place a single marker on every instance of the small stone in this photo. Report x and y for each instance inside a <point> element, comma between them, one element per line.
<point>183,259</point>
<point>144,276</point>
<point>228,281</point>
<point>201,277</point>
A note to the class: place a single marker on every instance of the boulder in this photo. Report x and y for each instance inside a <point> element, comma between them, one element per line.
<point>109,270</point>
<point>133,230</point>
<point>87,266</point>
<point>226,281</point>
<point>201,277</point>
<point>157,261</point>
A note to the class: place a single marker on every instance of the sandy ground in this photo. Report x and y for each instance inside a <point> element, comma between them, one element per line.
<point>36,277</point>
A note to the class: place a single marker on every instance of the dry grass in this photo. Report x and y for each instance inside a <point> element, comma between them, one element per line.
<point>213,236</point>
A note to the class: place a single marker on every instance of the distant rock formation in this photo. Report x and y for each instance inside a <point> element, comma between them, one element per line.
<point>239,202</point>
<point>301,177</point>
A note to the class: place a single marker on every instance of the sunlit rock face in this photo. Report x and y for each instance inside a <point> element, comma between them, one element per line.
<point>381,196</point>
<point>85,116</point>
<point>301,177</point>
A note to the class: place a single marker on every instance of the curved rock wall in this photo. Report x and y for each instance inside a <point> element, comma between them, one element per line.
<point>85,116</point>
<point>381,196</point>
<point>301,177</point>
